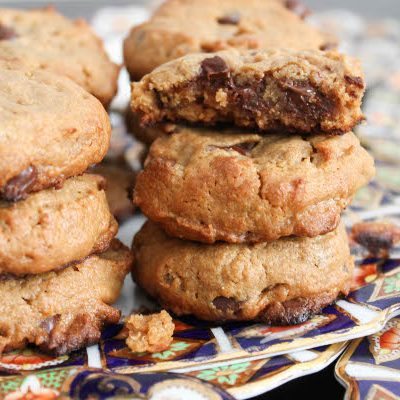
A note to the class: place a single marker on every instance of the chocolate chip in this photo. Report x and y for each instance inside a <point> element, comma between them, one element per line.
<point>243,148</point>
<point>354,80</point>
<point>7,33</point>
<point>229,19</point>
<point>298,8</point>
<point>18,187</point>
<point>328,46</point>
<point>214,67</point>
<point>226,304</point>
<point>49,323</point>
<point>305,100</point>
<point>248,99</point>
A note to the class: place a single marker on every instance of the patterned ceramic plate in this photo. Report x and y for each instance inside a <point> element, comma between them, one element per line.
<point>370,367</point>
<point>80,383</point>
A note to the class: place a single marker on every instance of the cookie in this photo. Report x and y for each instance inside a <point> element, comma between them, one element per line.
<point>50,129</point>
<point>181,27</point>
<point>272,90</point>
<point>120,178</point>
<point>280,282</point>
<point>50,228</point>
<point>209,185</point>
<point>44,39</point>
<point>63,311</point>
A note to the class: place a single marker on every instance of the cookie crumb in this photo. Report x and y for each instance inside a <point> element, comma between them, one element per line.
<point>152,333</point>
<point>377,237</point>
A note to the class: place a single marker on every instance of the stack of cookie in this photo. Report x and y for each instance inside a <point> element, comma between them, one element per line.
<point>60,265</point>
<point>245,207</point>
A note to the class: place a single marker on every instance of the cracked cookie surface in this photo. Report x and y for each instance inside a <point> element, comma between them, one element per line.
<point>50,228</point>
<point>65,310</point>
<point>181,27</point>
<point>281,282</point>
<point>44,39</point>
<point>206,185</point>
<point>272,90</point>
<point>50,129</point>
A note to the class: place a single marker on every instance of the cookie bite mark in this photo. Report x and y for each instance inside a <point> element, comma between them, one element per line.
<point>308,91</point>
<point>7,33</point>
<point>17,188</point>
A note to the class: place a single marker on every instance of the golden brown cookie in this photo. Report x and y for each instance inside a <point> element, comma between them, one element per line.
<point>63,311</point>
<point>50,129</point>
<point>209,185</point>
<point>280,282</point>
<point>55,227</point>
<point>272,90</point>
<point>44,39</point>
<point>180,27</point>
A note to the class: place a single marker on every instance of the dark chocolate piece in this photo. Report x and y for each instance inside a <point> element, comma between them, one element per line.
<point>17,188</point>
<point>298,8</point>
<point>226,304</point>
<point>7,33</point>
<point>214,67</point>
<point>229,19</point>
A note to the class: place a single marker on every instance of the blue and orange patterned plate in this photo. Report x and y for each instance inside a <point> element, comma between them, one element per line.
<point>370,367</point>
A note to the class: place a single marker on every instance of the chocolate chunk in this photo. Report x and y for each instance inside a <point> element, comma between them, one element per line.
<point>328,46</point>
<point>229,19</point>
<point>243,148</point>
<point>7,33</point>
<point>214,67</point>
<point>18,187</point>
<point>298,8</point>
<point>354,80</point>
<point>227,305</point>
<point>249,99</point>
<point>305,100</point>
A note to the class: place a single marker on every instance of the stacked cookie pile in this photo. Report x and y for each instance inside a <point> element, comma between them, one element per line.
<point>60,265</point>
<point>245,200</point>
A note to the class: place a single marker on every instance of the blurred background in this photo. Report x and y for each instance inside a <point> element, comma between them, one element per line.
<point>368,8</point>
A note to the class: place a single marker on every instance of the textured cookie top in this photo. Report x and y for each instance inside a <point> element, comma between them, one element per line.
<point>306,91</point>
<point>50,228</point>
<point>46,40</point>
<point>280,281</point>
<point>210,185</point>
<point>181,27</point>
<point>64,310</point>
<point>50,129</point>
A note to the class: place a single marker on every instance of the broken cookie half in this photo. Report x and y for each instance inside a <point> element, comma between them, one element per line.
<point>302,91</point>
